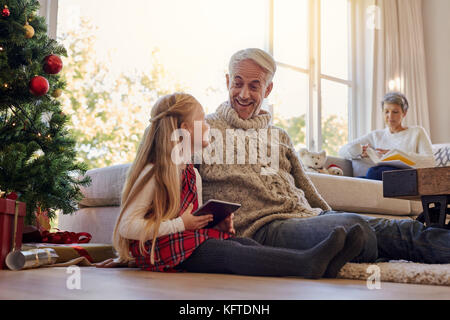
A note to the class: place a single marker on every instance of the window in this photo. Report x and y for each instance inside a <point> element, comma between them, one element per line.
<point>311,41</point>
<point>124,55</point>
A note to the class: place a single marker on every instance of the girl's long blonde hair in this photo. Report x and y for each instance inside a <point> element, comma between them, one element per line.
<point>155,148</point>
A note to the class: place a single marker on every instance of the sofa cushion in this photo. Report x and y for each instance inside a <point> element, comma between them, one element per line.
<point>358,195</point>
<point>106,186</point>
<point>99,222</point>
<point>442,155</point>
<point>361,166</point>
<point>344,164</point>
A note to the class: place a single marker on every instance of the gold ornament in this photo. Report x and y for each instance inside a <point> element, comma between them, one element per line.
<point>57,93</point>
<point>29,31</point>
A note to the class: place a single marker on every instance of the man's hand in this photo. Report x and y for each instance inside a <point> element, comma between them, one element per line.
<point>226,225</point>
<point>192,222</point>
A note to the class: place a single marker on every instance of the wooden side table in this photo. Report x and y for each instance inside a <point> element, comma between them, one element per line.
<point>429,185</point>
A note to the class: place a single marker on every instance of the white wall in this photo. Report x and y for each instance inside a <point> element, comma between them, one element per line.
<point>436,16</point>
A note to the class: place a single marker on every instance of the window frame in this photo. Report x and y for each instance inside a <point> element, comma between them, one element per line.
<point>49,9</point>
<point>315,75</point>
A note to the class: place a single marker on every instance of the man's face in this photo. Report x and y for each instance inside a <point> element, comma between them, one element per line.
<point>247,88</point>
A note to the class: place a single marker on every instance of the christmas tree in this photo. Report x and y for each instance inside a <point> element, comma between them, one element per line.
<point>37,153</point>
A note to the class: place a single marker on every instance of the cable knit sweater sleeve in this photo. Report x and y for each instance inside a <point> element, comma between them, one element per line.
<point>302,181</point>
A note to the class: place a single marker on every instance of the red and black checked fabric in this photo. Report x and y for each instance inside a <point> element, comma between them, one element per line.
<point>173,249</point>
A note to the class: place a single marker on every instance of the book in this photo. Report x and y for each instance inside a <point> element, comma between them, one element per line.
<point>394,158</point>
<point>219,209</point>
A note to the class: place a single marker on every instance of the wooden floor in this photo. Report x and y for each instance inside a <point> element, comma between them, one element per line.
<point>135,284</point>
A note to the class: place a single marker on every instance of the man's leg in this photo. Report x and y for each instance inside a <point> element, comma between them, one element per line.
<point>304,233</point>
<point>411,240</point>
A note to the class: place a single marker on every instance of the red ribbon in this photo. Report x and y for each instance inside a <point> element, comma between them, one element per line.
<point>83,253</point>
<point>12,196</point>
<point>65,237</point>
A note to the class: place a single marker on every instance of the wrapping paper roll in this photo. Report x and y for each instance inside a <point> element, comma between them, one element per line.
<point>19,260</point>
<point>93,252</point>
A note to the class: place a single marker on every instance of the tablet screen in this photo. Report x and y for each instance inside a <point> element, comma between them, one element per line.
<point>219,209</point>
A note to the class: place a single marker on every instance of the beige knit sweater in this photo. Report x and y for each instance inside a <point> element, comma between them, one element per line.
<point>289,193</point>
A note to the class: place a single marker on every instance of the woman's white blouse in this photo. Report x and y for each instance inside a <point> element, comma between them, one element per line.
<point>414,141</point>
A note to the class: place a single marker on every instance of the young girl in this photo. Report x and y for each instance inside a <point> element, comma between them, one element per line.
<point>156,228</point>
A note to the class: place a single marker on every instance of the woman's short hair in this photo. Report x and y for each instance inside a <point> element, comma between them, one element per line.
<point>396,98</point>
<point>260,57</point>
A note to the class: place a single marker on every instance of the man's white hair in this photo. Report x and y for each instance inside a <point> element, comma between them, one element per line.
<point>260,57</point>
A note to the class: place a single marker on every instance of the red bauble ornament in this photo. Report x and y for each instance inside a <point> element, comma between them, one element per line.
<point>52,64</point>
<point>39,86</point>
<point>6,12</point>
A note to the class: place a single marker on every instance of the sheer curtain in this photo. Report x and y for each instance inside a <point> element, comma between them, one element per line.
<point>391,44</point>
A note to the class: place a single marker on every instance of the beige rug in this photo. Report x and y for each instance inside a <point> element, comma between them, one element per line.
<point>400,272</point>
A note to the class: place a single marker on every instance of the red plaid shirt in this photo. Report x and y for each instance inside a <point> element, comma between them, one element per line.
<point>173,249</point>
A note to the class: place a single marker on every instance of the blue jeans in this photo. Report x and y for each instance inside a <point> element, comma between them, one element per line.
<point>410,240</point>
<point>376,173</point>
<point>305,233</point>
<point>387,239</point>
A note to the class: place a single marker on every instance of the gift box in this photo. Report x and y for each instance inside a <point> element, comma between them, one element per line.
<point>12,214</point>
<point>93,252</point>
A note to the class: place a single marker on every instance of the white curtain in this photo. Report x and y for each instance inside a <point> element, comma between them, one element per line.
<point>49,10</point>
<point>394,55</point>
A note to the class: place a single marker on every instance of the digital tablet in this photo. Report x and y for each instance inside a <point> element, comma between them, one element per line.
<point>219,209</point>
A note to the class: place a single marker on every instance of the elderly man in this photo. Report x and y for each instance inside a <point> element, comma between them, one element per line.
<point>282,208</point>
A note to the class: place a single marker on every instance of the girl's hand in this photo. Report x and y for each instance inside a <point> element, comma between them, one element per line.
<point>192,222</point>
<point>226,225</point>
<point>114,263</point>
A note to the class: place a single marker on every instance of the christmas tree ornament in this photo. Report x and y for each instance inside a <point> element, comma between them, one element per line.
<point>52,64</point>
<point>39,86</point>
<point>29,31</point>
<point>42,220</point>
<point>5,12</point>
<point>57,93</point>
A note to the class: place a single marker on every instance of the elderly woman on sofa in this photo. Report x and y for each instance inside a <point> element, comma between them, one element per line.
<point>412,140</point>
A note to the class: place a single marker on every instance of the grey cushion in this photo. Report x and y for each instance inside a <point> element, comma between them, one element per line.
<point>344,164</point>
<point>106,187</point>
<point>442,155</point>
<point>361,166</point>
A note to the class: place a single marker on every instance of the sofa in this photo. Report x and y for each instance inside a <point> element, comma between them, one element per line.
<point>99,208</point>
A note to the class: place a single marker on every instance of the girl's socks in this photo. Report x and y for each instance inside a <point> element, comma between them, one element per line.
<point>354,244</point>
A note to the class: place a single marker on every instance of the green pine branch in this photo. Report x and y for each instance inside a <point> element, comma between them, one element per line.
<point>37,152</point>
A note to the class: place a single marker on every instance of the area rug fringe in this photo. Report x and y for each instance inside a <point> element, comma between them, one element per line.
<point>400,272</point>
